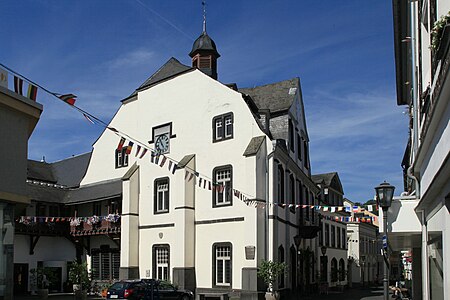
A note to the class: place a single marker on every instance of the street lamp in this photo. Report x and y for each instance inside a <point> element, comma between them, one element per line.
<point>384,194</point>
<point>323,249</point>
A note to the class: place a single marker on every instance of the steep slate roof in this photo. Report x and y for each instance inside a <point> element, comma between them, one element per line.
<point>45,193</point>
<point>171,68</point>
<point>95,192</point>
<point>70,171</point>
<point>323,178</point>
<point>59,182</point>
<point>40,171</point>
<point>276,96</point>
<point>327,179</point>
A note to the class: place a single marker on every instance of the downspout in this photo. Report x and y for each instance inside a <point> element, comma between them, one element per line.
<point>414,92</point>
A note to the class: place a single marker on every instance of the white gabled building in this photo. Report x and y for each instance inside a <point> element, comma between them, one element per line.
<point>253,141</point>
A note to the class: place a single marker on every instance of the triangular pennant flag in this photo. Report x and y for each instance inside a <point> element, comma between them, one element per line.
<point>200,182</point>
<point>190,177</point>
<point>325,208</point>
<point>129,147</point>
<point>340,208</point>
<point>68,98</point>
<point>186,175</point>
<point>333,209</point>
<point>355,208</point>
<point>143,153</point>
<point>18,85</point>
<point>163,161</point>
<point>347,209</point>
<point>174,168</point>
<point>204,183</point>
<point>138,149</point>
<point>120,146</point>
<point>369,207</point>
<point>88,118</point>
<point>209,185</point>
<point>32,92</point>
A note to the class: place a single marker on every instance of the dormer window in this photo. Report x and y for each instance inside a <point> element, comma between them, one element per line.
<point>223,127</point>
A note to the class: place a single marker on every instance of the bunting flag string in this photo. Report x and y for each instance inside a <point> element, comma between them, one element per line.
<point>160,159</point>
<point>74,221</point>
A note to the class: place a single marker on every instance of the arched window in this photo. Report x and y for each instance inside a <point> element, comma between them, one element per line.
<point>334,270</point>
<point>341,269</point>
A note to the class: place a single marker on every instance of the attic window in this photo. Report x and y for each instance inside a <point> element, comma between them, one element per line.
<point>292,91</point>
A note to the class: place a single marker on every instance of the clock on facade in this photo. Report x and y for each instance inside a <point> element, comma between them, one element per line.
<point>162,143</point>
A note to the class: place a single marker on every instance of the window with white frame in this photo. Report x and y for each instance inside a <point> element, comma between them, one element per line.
<point>223,183</point>
<point>223,127</point>
<point>121,158</point>
<point>222,265</point>
<point>161,258</point>
<point>161,195</point>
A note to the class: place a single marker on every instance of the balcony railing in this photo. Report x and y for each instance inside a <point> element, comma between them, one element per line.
<point>42,228</point>
<point>101,227</point>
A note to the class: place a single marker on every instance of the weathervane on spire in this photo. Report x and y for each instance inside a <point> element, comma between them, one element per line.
<point>204,15</point>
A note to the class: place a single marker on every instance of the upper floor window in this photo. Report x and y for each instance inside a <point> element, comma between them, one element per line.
<point>161,195</point>
<point>292,192</point>
<point>222,264</point>
<point>333,236</point>
<point>121,158</point>
<point>280,184</point>
<point>291,136</point>
<point>223,127</point>
<point>327,235</point>
<point>223,177</point>
<point>305,154</point>
<point>299,147</point>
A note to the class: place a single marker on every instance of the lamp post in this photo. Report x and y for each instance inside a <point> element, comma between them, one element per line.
<point>384,194</point>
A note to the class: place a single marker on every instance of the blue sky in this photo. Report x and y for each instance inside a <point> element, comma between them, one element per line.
<point>102,50</point>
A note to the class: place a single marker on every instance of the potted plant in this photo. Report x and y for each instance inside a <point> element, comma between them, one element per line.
<point>438,43</point>
<point>40,281</point>
<point>269,271</point>
<point>79,277</point>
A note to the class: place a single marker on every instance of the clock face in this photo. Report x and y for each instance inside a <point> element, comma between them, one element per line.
<point>162,143</point>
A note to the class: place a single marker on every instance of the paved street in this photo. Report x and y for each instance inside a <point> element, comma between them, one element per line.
<point>375,293</point>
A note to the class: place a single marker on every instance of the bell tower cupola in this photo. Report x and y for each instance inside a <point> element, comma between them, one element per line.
<point>204,52</point>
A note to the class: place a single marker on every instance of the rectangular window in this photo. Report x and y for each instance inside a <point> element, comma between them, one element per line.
<point>292,192</point>
<point>162,263</point>
<point>222,272</point>
<point>333,236</point>
<point>327,235</point>
<point>228,126</point>
<point>338,238</point>
<point>105,263</point>
<point>121,158</point>
<point>344,239</point>
<point>280,184</point>
<point>305,154</point>
<point>223,127</point>
<point>161,260</point>
<point>223,184</point>
<point>161,195</point>
<point>299,147</point>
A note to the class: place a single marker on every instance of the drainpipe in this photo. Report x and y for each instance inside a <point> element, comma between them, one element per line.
<point>414,92</point>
